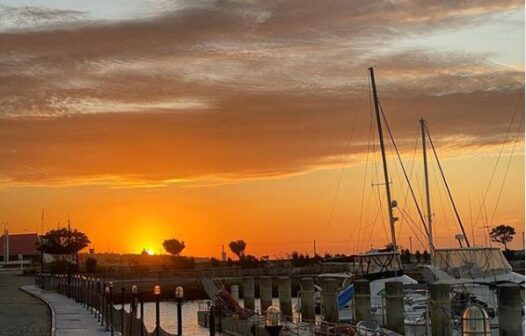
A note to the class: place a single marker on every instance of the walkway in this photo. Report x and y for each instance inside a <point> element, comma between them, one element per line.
<point>69,318</point>
<point>20,313</point>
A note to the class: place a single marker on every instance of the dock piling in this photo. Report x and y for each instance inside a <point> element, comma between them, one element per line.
<point>265,292</point>
<point>234,291</point>
<point>329,300</point>
<point>248,293</point>
<point>510,310</point>
<point>394,305</point>
<point>307,299</point>
<point>440,309</point>
<point>362,300</point>
<point>285,296</point>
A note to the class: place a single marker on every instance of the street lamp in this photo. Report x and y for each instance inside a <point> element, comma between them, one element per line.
<point>157,294</point>
<point>179,295</point>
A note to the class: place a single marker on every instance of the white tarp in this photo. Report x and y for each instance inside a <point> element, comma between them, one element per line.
<point>471,262</point>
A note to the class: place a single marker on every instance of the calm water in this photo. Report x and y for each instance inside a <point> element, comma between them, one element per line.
<point>190,308</point>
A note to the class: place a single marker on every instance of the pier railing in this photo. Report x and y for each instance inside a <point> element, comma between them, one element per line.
<point>107,303</point>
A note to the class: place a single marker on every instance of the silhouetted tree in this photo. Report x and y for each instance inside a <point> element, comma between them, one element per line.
<point>426,256</point>
<point>91,265</point>
<point>248,261</point>
<point>63,241</point>
<point>238,247</point>
<point>406,256</point>
<point>418,256</point>
<point>502,234</point>
<point>173,246</point>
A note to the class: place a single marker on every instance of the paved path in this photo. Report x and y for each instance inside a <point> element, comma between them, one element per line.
<point>69,318</point>
<point>20,313</point>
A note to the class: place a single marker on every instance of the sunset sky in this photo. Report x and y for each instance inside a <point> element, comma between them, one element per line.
<point>211,121</point>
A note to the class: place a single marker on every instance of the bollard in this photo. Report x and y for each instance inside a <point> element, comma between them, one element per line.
<point>248,293</point>
<point>234,291</point>
<point>362,300</point>
<point>307,299</point>
<point>329,300</point>
<point>265,292</point>
<point>440,309</point>
<point>394,306</point>
<point>510,310</point>
<point>285,297</point>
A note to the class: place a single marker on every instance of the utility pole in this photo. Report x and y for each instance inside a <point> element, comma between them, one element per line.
<point>315,248</point>
<point>390,204</point>
<point>428,197</point>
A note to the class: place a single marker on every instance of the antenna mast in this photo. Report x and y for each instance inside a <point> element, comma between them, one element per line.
<point>390,204</point>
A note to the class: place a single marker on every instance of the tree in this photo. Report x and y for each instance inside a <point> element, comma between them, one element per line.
<point>238,247</point>
<point>63,241</point>
<point>418,256</point>
<point>406,256</point>
<point>426,256</point>
<point>502,234</point>
<point>173,246</point>
<point>91,265</point>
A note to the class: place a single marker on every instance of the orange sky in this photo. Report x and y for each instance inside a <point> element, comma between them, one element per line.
<point>209,122</point>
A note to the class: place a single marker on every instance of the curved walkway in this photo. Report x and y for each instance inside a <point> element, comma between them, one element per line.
<point>20,313</point>
<point>69,318</point>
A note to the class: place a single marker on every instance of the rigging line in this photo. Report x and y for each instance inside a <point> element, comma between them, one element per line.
<point>342,169</point>
<point>411,171</point>
<point>507,170</point>
<point>492,176</point>
<point>412,221</point>
<point>403,212</point>
<point>447,186</point>
<point>441,201</point>
<point>487,222</point>
<point>403,169</point>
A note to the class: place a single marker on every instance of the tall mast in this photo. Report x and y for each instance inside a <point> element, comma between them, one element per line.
<point>428,198</point>
<point>390,203</point>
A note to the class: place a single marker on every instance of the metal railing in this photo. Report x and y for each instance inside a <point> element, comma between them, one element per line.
<point>99,298</point>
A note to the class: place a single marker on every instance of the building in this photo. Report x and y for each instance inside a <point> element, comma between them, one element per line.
<point>15,248</point>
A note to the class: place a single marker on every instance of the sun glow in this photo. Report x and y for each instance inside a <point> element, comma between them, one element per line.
<point>149,251</point>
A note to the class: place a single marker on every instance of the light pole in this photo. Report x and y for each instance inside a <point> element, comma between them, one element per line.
<point>179,295</point>
<point>157,295</point>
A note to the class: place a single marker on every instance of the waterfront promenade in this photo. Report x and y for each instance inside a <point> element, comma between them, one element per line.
<point>20,313</point>
<point>27,310</point>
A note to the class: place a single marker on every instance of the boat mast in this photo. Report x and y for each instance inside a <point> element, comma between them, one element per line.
<point>390,203</point>
<point>428,198</point>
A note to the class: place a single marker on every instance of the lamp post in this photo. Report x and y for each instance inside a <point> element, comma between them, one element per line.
<point>105,315</point>
<point>133,307</point>
<point>111,307</point>
<point>179,295</point>
<point>157,295</point>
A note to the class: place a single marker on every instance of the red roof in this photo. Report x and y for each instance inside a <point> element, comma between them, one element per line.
<point>25,244</point>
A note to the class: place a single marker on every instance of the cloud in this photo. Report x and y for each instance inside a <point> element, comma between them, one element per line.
<point>227,89</point>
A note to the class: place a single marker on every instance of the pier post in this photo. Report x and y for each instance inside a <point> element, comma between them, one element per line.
<point>510,310</point>
<point>394,305</point>
<point>307,299</point>
<point>285,296</point>
<point>234,291</point>
<point>265,292</point>
<point>329,300</point>
<point>440,309</point>
<point>248,293</point>
<point>362,300</point>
